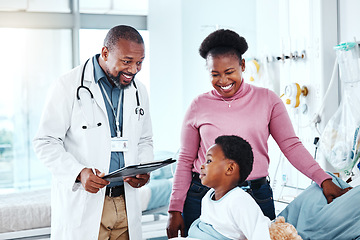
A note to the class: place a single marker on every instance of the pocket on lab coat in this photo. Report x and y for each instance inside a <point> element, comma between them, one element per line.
<point>95,139</point>
<point>68,205</point>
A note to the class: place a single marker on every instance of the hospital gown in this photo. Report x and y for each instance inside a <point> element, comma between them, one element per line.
<point>235,216</point>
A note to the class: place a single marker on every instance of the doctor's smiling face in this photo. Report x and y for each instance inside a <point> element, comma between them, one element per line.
<point>122,61</point>
<point>226,73</point>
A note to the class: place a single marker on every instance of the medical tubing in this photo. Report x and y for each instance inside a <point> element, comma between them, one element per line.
<point>317,127</point>
<point>276,170</point>
<point>316,119</point>
<point>357,47</point>
<point>327,91</point>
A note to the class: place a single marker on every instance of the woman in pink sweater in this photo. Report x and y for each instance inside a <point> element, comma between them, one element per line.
<point>235,108</point>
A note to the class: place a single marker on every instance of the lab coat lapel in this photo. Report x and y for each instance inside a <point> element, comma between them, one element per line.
<point>129,106</point>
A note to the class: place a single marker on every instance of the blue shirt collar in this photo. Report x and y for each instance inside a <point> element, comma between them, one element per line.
<point>98,72</point>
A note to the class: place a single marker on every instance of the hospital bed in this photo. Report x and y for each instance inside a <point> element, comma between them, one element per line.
<point>315,219</point>
<point>155,195</point>
<point>27,214</point>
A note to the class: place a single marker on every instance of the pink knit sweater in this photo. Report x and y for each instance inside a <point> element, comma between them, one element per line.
<point>255,113</point>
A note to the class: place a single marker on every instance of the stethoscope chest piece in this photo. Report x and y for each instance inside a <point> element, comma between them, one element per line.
<point>139,110</point>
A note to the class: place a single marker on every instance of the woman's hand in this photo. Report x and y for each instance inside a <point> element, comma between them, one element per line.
<point>332,191</point>
<point>175,223</point>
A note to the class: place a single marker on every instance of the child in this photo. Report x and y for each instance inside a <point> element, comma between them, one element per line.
<point>227,211</point>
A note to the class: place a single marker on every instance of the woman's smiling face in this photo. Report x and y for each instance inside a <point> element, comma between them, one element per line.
<point>226,73</point>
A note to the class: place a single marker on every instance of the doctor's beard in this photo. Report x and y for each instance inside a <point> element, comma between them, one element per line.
<point>116,80</point>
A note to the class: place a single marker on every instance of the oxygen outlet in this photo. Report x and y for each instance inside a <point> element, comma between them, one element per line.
<point>293,93</point>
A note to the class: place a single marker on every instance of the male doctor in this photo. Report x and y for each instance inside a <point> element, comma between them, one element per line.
<point>96,120</point>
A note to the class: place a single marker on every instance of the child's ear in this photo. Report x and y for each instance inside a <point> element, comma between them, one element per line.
<point>231,167</point>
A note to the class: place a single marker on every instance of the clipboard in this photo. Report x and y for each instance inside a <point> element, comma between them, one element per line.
<point>134,170</point>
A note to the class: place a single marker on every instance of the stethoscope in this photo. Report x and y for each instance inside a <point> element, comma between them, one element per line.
<point>138,110</point>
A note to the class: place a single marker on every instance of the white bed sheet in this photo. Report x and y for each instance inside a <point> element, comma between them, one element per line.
<point>25,210</point>
<point>32,209</point>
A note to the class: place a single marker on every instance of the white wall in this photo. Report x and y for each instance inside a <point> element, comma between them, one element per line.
<point>349,19</point>
<point>166,76</point>
<point>291,26</point>
<point>178,73</point>
<point>202,17</point>
<point>316,26</point>
<point>272,28</point>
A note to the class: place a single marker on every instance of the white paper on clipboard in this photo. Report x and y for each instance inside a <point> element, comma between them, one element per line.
<point>134,170</point>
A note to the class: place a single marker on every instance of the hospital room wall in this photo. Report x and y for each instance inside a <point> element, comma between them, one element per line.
<point>178,73</point>
<point>349,19</point>
<point>272,28</point>
<point>313,26</point>
<point>165,37</point>
<point>309,26</point>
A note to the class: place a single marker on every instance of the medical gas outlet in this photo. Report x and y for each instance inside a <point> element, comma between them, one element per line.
<point>254,69</point>
<point>293,93</point>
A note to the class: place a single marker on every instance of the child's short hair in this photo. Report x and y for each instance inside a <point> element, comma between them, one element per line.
<point>239,150</point>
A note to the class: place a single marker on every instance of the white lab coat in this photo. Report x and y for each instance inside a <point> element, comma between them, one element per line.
<point>66,148</point>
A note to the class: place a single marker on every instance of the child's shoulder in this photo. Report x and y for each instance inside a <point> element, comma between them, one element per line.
<point>235,193</point>
<point>238,193</point>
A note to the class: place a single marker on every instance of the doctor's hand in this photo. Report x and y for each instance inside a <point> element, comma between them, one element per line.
<point>175,223</point>
<point>332,191</point>
<point>91,182</point>
<point>138,181</point>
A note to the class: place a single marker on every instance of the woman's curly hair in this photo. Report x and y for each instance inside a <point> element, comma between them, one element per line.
<point>223,41</point>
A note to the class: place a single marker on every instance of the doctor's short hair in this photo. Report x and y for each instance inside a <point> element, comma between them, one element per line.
<point>122,32</point>
<point>223,42</point>
<point>238,150</point>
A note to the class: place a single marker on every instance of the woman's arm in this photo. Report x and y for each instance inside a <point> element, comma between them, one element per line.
<point>282,130</point>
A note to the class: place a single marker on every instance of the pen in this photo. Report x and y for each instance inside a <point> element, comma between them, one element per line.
<point>93,170</point>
